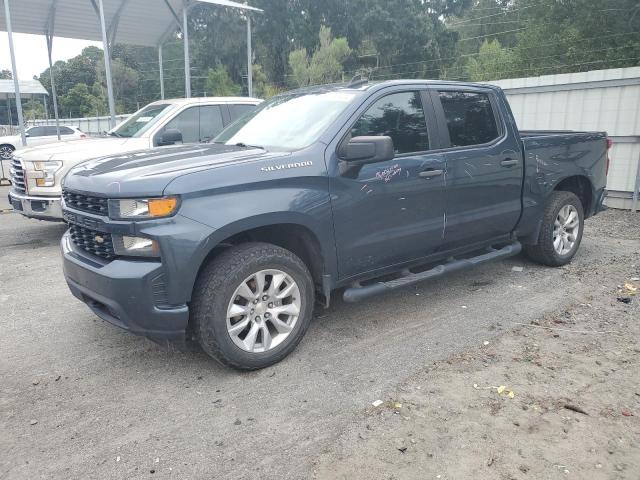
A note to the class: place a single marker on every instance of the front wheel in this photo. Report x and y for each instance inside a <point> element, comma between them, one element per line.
<point>6,152</point>
<point>252,305</point>
<point>561,232</point>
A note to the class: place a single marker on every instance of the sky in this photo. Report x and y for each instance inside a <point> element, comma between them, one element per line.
<point>31,52</point>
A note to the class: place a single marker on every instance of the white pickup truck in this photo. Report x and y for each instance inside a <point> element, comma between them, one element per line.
<point>37,173</point>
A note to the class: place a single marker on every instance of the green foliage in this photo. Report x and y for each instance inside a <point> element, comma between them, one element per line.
<point>33,109</point>
<point>6,75</point>
<point>261,86</point>
<point>220,84</point>
<point>492,63</point>
<point>452,39</point>
<point>80,101</point>
<point>325,65</point>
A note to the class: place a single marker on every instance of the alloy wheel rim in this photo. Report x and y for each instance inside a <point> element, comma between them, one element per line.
<point>263,310</point>
<point>566,229</point>
<point>6,153</point>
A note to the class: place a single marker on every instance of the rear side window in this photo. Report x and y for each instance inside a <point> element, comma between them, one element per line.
<point>399,116</point>
<point>469,117</point>
<point>37,132</point>
<point>238,110</point>
<point>63,131</point>
<point>210,122</point>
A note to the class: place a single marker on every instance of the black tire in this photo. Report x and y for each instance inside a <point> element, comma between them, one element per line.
<point>5,148</point>
<point>217,283</point>
<point>544,252</point>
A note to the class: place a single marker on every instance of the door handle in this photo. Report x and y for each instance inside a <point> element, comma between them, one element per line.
<point>431,173</point>
<point>508,162</point>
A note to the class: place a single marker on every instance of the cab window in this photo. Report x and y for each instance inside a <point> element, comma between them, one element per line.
<point>470,118</point>
<point>399,116</point>
<point>187,123</point>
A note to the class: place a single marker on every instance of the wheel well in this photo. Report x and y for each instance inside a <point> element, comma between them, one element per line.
<point>581,187</point>
<point>295,238</point>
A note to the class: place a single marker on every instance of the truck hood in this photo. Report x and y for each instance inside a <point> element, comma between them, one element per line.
<point>148,172</point>
<point>74,151</point>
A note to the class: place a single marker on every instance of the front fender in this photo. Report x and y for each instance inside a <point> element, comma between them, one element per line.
<point>225,215</point>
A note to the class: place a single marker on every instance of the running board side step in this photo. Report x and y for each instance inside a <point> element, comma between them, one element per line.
<point>357,292</point>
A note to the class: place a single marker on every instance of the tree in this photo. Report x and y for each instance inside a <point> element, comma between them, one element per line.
<point>79,101</point>
<point>492,63</point>
<point>6,75</point>
<point>220,84</point>
<point>261,86</point>
<point>33,109</point>
<point>325,65</point>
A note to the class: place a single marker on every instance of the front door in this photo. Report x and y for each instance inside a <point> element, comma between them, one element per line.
<point>391,212</point>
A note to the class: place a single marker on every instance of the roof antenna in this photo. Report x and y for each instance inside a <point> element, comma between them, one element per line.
<point>358,80</point>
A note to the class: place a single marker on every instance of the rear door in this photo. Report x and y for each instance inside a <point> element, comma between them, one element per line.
<point>484,166</point>
<point>390,212</point>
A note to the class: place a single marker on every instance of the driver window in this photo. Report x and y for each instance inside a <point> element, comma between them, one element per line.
<point>399,116</point>
<point>188,123</point>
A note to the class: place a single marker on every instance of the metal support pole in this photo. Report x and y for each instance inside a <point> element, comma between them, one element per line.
<point>49,37</point>
<point>107,66</point>
<point>14,71</point>
<point>46,108</point>
<point>185,38</point>
<point>161,71</point>
<point>249,59</point>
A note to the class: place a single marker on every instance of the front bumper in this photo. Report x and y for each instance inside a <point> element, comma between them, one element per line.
<point>126,293</point>
<point>42,208</point>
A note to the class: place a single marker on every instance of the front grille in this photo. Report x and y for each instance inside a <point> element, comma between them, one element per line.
<point>17,176</point>
<point>86,203</point>
<point>89,241</point>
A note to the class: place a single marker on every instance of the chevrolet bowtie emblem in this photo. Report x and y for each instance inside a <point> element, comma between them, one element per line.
<point>98,239</point>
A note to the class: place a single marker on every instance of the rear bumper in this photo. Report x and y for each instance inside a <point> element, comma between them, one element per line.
<point>125,293</point>
<point>42,208</point>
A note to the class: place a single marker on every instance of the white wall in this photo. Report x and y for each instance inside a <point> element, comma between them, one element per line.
<point>600,100</point>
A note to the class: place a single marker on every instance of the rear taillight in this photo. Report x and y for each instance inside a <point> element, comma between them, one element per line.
<point>82,135</point>
<point>609,145</point>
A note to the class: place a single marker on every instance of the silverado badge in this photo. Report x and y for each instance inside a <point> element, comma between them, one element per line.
<point>273,168</point>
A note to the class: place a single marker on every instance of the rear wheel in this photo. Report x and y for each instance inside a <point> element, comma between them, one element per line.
<point>252,305</point>
<point>561,232</point>
<point>6,151</point>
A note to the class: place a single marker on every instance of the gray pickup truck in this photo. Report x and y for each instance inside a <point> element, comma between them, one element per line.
<point>366,187</point>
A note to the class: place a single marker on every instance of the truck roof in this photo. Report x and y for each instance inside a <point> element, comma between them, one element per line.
<point>365,85</point>
<point>182,101</point>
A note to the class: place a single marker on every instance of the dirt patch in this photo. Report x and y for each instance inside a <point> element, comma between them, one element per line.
<point>558,397</point>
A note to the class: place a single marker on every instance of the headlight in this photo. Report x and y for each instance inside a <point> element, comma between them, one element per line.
<point>48,176</point>
<point>143,208</point>
<point>135,246</point>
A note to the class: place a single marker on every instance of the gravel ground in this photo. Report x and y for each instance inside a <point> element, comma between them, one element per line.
<point>82,399</point>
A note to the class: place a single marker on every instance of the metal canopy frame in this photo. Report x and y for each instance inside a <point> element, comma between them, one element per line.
<point>136,22</point>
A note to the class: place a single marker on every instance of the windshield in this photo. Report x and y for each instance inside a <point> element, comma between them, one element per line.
<point>139,122</point>
<point>287,122</point>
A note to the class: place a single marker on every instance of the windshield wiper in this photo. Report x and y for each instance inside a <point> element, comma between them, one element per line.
<point>246,145</point>
<point>114,134</point>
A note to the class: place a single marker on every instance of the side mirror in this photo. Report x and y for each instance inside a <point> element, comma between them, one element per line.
<point>27,135</point>
<point>170,136</point>
<point>362,150</point>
